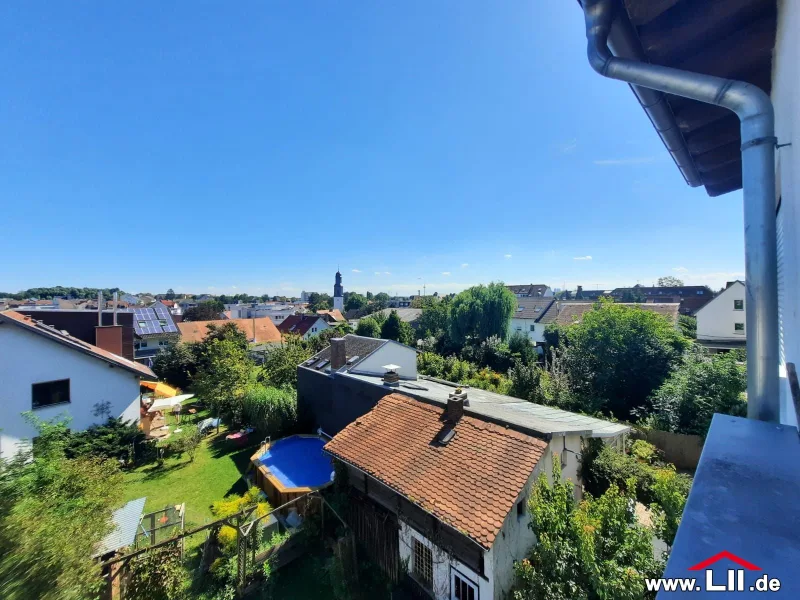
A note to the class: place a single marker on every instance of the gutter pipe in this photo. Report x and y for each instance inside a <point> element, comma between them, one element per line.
<point>756,115</point>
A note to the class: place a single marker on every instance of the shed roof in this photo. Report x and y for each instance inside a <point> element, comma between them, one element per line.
<point>471,483</point>
<point>126,523</point>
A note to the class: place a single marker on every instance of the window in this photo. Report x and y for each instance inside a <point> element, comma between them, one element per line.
<point>163,343</point>
<point>313,330</point>
<point>462,588</point>
<point>423,564</point>
<point>143,344</point>
<point>738,327</point>
<point>533,327</point>
<point>143,324</point>
<point>699,292</point>
<point>50,393</point>
<point>738,305</point>
<point>162,322</point>
<point>520,508</point>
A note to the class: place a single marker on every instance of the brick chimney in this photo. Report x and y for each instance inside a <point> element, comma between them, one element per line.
<point>455,408</point>
<point>109,338</point>
<point>338,353</point>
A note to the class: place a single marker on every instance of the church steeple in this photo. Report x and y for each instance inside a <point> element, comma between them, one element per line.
<point>338,293</point>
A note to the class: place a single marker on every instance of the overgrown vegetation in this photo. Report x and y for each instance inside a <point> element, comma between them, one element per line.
<point>588,550</point>
<point>653,482</point>
<point>54,511</point>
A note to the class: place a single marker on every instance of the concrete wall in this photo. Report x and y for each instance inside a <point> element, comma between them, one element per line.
<point>786,99</point>
<point>681,450</point>
<point>443,566</point>
<point>390,353</point>
<point>716,320</point>
<point>28,358</point>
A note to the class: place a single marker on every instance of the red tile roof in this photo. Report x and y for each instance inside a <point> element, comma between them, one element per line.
<point>298,324</point>
<point>258,331</point>
<point>26,322</point>
<point>471,483</point>
<point>335,314</point>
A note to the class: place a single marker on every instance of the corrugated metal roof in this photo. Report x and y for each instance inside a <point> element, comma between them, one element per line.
<point>126,522</point>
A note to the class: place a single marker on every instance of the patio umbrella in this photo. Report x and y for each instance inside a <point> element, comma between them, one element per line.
<point>160,389</point>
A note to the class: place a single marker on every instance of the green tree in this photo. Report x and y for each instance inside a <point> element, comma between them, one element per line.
<point>279,368</point>
<point>176,364</point>
<point>226,331</point>
<point>355,301</point>
<point>205,311</point>
<point>618,355</point>
<point>688,326</point>
<point>434,319</point>
<point>381,301</point>
<point>589,551</point>
<point>272,411</point>
<point>394,328</point>
<point>702,385</point>
<point>633,296</point>
<point>170,295</point>
<point>369,296</point>
<point>224,376</point>
<point>368,327</point>
<point>53,513</point>
<point>670,281</point>
<point>480,312</point>
<point>317,301</point>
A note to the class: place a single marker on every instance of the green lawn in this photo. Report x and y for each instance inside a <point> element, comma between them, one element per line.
<point>215,472</point>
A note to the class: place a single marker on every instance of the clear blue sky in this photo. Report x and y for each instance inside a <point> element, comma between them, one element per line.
<point>253,146</point>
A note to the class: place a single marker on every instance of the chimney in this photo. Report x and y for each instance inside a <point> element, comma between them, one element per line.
<point>338,353</point>
<point>109,338</point>
<point>391,377</point>
<point>99,309</point>
<point>455,408</point>
<point>115,308</point>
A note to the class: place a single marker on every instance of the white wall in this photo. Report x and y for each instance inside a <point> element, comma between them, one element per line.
<point>317,328</point>
<point>786,100</point>
<point>443,564</point>
<point>338,303</point>
<point>29,358</point>
<point>391,353</point>
<point>524,326</point>
<point>716,320</point>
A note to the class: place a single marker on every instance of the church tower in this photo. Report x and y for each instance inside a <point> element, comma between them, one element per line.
<point>338,293</point>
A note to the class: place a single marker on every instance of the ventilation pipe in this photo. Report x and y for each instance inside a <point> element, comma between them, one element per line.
<point>116,298</point>
<point>100,309</point>
<point>754,109</point>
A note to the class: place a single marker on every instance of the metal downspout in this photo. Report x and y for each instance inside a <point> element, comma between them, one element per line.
<point>754,109</point>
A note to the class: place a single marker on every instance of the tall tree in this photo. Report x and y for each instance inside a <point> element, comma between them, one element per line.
<point>480,312</point>
<point>381,301</point>
<point>670,281</point>
<point>618,355</point>
<point>170,295</point>
<point>317,301</point>
<point>394,328</point>
<point>223,378</point>
<point>209,310</point>
<point>355,301</point>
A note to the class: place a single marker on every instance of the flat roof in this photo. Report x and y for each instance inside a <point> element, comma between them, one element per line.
<point>524,415</point>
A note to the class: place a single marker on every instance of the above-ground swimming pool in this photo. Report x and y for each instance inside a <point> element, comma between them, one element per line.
<point>292,466</point>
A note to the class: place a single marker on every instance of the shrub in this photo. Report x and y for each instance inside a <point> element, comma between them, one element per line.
<point>280,363</point>
<point>115,438</point>
<point>272,411</point>
<point>229,506</point>
<point>369,327</point>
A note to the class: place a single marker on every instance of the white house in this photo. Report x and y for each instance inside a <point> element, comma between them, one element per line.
<point>50,373</point>
<point>721,323</point>
<point>306,326</point>
<point>527,318</point>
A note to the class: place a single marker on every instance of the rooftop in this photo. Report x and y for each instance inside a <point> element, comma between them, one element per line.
<point>126,523</point>
<point>471,483</point>
<point>258,331</point>
<point>567,313</point>
<point>532,308</point>
<point>530,289</point>
<point>525,416</point>
<point>298,324</point>
<point>62,337</point>
<point>356,347</point>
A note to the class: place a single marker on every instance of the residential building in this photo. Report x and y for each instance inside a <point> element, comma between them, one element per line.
<point>531,290</point>
<point>399,301</point>
<point>338,293</point>
<point>257,331</point>
<point>154,329</point>
<point>277,312</point>
<point>306,326</point>
<point>51,373</point>
<point>722,323</point>
<point>691,297</point>
<point>527,318</point>
<point>304,296</point>
<point>420,452</point>
<point>332,316</point>
<point>722,93</point>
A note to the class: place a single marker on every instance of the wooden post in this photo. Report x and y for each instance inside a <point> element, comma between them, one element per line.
<point>241,567</point>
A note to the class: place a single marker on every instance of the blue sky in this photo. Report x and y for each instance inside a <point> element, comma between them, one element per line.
<point>253,146</point>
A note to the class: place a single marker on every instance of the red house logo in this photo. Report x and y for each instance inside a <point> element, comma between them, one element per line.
<point>724,554</point>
